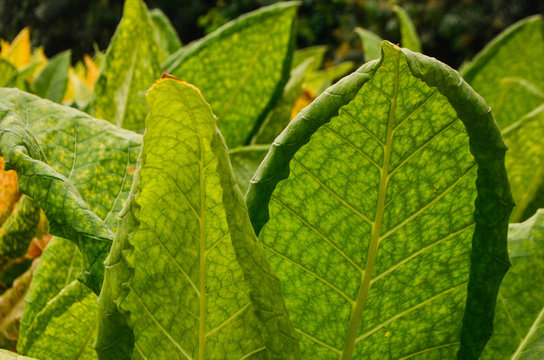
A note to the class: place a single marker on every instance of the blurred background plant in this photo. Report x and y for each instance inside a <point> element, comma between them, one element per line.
<point>450,30</point>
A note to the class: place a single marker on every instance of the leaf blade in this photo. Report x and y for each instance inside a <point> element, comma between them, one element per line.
<point>322,207</point>
<point>236,52</point>
<point>131,64</point>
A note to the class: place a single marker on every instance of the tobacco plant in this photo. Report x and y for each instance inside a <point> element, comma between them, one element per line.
<point>374,225</point>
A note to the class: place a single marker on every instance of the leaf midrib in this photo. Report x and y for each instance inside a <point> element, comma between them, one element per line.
<point>364,288</point>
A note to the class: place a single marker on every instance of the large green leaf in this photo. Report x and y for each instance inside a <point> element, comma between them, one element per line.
<point>66,328</point>
<point>52,81</point>
<point>59,265</point>
<point>91,154</point>
<point>131,65</point>
<point>98,158</point>
<point>183,248</point>
<point>516,53</point>
<point>509,75</point>
<point>164,31</point>
<point>241,68</point>
<point>520,304</point>
<point>372,231</point>
<point>525,163</point>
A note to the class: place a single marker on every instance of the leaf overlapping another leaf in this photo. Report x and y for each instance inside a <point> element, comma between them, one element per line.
<point>509,75</point>
<point>92,154</point>
<point>131,65</point>
<point>518,326</point>
<point>374,221</point>
<point>185,235</point>
<point>241,68</point>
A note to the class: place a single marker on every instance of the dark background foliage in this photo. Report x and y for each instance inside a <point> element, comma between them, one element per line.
<point>451,30</point>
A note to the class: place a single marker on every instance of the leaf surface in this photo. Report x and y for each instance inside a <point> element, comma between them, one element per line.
<point>66,327</point>
<point>131,65</point>
<point>525,163</point>
<point>371,230</point>
<point>241,68</point>
<point>91,154</point>
<point>508,74</point>
<point>59,265</point>
<point>516,53</point>
<point>185,246</point>
<point>519,317</point>
<point>52,81</point>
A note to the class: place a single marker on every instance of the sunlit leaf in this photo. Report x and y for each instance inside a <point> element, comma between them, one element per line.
<point>374,228</point>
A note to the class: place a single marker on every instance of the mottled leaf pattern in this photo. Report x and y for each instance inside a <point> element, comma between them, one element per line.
<point>518,329</point>
<point>371,230</point>
<point>131,65</point>
<point>185,235</point>
<point>515,53</point>
<point>91,154</point>
<point>509,75</point>
<point>66,327</point>
<point>241,68</point>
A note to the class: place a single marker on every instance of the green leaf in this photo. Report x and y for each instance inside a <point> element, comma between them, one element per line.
<point>19,229</point>
<point>516,53</point>
<point>317,53</point>
<point>525,163</point>
<point>185,245</point>
<point>66,327</point>
<point>98,158</point>
<point>241,68</point>
<point>371,44</point>
<point>68,214</point>
<point>507,73</point>
<point>520,305</point>
<point>59,265</point>
<point>131,65</point>
<point>52,81</point>
<point>164,31</point>
<point>280,115</point>
<point>91,154</point>
<point>408,33</point>
<point>371,230</point>
<point>245,160</point>
<point>7,71</point>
